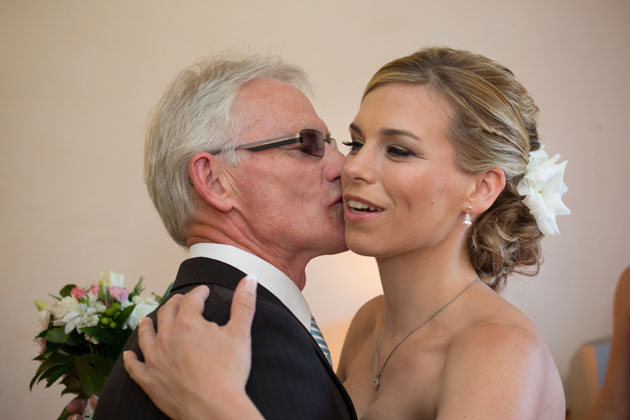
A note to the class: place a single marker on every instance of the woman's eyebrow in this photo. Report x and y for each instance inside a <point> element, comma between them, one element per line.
<point>390,132</point>
<point>356,128</point>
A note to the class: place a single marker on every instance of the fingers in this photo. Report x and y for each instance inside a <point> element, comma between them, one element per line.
<point>194,301</point>
<point>146,334</point>
<point>76,406</point>
<point>134,367</point>
<point>243,307</point>
<point>168,312</point>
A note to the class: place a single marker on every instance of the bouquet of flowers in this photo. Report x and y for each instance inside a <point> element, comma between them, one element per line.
<point>82,332</point>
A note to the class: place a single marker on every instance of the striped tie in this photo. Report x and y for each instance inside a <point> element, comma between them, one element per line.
<point>319,338</point>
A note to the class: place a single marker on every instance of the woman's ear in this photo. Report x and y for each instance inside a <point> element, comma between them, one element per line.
<point>487,188</point>
<point>207,175</point>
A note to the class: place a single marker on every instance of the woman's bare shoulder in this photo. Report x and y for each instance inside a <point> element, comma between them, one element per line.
<point>501,367</point>
<point>361,329</point>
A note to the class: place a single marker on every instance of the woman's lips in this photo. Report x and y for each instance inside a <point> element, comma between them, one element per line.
<point>356,209</point>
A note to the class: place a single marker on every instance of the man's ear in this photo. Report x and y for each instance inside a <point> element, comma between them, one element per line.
<point>487,188</point>
<point>207,175</point>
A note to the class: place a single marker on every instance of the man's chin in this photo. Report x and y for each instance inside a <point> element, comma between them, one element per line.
<point>338,246</point>
<point>341,249</point>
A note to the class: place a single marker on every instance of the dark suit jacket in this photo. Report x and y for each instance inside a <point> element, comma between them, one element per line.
<point>290,376</point>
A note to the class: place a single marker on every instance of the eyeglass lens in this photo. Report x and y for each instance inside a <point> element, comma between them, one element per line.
<point>312,142</point>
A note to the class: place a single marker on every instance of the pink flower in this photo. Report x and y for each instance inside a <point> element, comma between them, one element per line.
<point>42,345</point>
<point>119,293</point>
<point>94,290</point>
<point>78,293</point>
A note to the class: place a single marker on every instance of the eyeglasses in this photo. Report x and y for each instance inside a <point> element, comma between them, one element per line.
<point>312,142</point>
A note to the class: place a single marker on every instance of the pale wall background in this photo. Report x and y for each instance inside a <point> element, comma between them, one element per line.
<point>78,79</point>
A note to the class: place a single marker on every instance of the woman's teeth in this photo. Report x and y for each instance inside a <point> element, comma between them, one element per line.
<point>358,207</point>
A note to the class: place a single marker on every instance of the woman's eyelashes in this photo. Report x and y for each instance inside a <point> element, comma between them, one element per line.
<point>397,151</point>
<point>353,144</point>
<point>390,150</point>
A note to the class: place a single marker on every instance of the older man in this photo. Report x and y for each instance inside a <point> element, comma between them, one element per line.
<point>244,173</point>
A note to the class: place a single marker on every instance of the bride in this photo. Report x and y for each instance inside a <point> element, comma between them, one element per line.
<point>448,187</point>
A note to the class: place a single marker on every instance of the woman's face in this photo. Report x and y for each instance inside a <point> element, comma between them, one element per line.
<point>401,189</point>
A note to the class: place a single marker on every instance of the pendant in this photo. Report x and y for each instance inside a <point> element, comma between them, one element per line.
<point>377,380</point>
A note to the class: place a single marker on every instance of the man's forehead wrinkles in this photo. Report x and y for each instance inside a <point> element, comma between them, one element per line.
<point>264,118</point>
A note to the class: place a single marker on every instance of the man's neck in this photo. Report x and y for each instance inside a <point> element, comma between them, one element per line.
<point>291,265</point>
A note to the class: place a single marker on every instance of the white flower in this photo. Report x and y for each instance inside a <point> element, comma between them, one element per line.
<point>112,279</point>
<point>88,411</point>
<point>70,313</point>
<point>543,187</point>
<point>43,317</point>
<point>144,306</point>
<point>65,311</point>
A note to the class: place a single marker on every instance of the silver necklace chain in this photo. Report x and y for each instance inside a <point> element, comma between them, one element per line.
<point>377,372</point>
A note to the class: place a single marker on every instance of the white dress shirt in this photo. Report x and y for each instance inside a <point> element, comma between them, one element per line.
<point>272,279</point>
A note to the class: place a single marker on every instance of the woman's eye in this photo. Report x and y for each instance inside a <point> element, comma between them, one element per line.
<point>353,145</point>
<point>398,151</point>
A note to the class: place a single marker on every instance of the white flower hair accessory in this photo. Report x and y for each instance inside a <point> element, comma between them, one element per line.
<point>542,186</point>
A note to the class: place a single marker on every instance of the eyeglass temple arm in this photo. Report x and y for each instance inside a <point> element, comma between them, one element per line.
<point>268,144</point>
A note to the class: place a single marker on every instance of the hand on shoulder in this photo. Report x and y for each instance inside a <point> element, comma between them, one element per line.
<point>180,372</point>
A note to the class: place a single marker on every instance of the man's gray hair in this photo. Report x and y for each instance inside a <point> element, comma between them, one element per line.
<point>194,115</point>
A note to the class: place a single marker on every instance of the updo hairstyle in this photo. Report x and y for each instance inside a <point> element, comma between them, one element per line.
<point>492,125</point>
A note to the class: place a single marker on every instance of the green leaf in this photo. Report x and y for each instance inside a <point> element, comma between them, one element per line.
<point>48,372</point>
<point>85,372</point>
<point>92,377</point>
<point>53,361</point>
<point>39,371</point>
<point>40,357</point>
<point>56,335</point>
<point>102,293</point>
<point>75,339</point>
<point>166,293</point>
<point>124,314</point>
<point>64,414</point>
<point>72,383</point>
<point>40,304</point>
<point>65,291</point>
<point>93,358</point>
<point>43,333</point>
<point>100,334</point>
<point>56,372</point>
<point>51,348</point>
<point>137,289</point>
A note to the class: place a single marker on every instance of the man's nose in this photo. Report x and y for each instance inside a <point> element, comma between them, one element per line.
<point>333,160</point>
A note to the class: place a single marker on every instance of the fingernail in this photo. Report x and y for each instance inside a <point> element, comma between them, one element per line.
<point>251,281</point>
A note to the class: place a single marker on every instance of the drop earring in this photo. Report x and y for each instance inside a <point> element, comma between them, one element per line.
<point>467,219</point>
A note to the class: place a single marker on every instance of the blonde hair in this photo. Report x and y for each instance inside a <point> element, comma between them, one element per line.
<point>194,115</point>
<point>492,126</point>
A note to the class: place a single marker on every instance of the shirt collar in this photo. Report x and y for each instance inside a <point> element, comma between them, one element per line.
<point>271,278</point>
